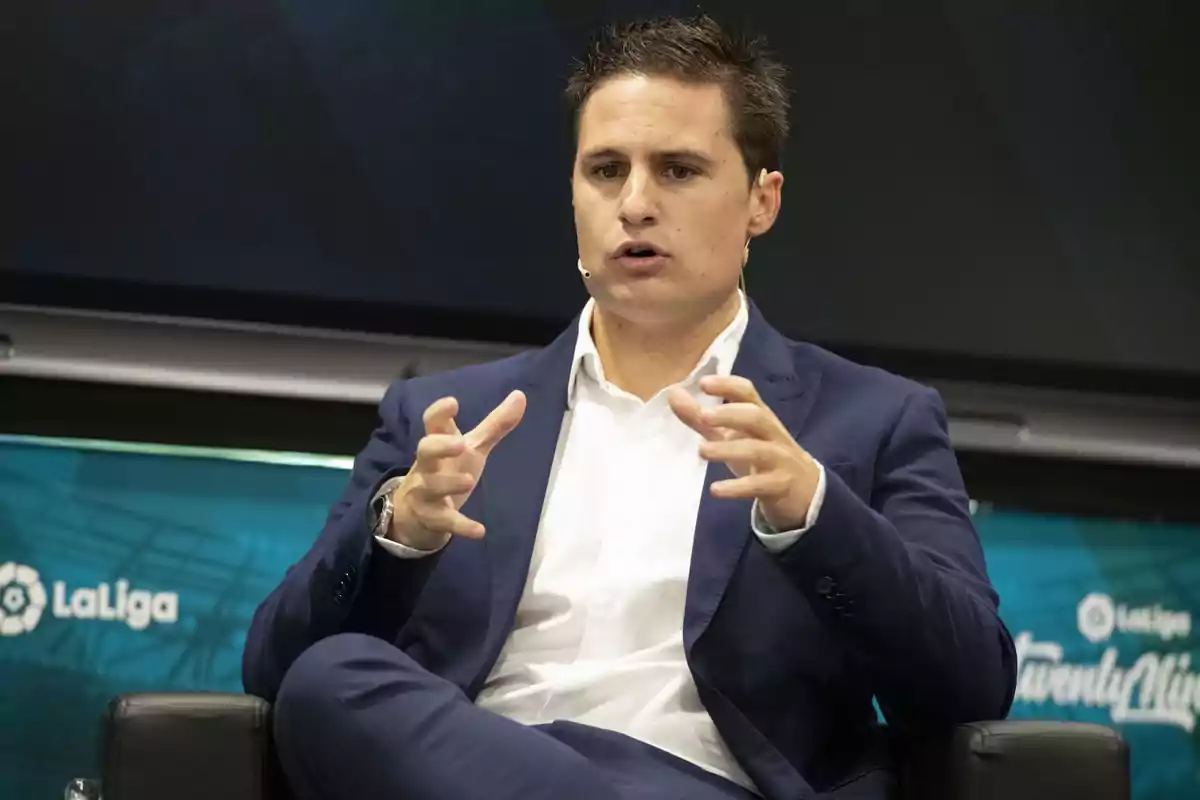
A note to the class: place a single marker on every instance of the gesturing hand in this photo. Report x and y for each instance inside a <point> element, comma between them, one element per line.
<point>446,470</point>
<point>745,434</point>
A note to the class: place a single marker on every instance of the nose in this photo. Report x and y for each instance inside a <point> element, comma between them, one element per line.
<point>639,205</point>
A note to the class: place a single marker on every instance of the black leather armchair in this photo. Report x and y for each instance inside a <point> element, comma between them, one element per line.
<point>206,746</point>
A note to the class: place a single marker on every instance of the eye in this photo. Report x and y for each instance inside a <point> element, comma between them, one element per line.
<point>608,171</point>
<point>681,172</point>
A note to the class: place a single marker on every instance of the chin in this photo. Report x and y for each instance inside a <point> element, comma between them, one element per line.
<point>645,305</point>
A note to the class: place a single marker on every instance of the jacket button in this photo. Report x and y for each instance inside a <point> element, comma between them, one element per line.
<point>824,585</point>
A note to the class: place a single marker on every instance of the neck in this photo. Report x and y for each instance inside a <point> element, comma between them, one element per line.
<point>643,360</point>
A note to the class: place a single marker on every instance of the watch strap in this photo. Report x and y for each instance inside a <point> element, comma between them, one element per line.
<point>381,507</point>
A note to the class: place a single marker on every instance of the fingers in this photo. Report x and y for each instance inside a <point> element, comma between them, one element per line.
<point>691,413</point>
<point>431,502</point>
<point>439,445</point>
<point>760,485</point>
<point>745,453</point>
<point>496,425</point>
<point>438,485</point>
<point>726,420</point>
<point>439,517</point>
<point>733,388</point>
<point>439,417</point>
<point>442,438</point>
<point>747,419</point>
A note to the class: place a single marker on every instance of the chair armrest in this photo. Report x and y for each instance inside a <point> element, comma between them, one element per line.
<point>187,746</point>
<point>1030,760</point>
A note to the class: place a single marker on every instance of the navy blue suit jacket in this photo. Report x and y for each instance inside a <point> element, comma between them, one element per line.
<point>887,596</point>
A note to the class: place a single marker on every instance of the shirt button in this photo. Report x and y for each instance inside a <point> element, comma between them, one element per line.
<point>824,585</point>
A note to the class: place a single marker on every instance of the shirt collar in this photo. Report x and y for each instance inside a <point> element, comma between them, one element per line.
<point>717,359</point>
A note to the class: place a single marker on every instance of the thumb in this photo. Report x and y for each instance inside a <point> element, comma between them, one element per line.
<point>689,412</point>
<point>496,425</point>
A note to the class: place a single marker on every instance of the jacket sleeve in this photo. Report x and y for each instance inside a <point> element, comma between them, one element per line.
<point>902,580</point>
<point>345,582</point>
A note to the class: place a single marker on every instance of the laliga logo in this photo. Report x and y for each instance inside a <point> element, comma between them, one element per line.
<point>1098,616</point>
<point>23,599</point>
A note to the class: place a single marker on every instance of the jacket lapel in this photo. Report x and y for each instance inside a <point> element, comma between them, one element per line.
<point>723,526</point>
<point>514,482</point>
<point>513,488</point>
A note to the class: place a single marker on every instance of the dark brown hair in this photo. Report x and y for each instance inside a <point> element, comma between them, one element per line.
<point>696,50</point>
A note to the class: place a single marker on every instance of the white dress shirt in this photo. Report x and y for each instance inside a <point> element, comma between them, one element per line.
<point>598,634</point>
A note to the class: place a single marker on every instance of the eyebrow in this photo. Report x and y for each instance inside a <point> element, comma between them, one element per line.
<point>666,155</point>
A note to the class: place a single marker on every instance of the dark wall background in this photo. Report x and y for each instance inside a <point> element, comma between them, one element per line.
<point>1005,183</point>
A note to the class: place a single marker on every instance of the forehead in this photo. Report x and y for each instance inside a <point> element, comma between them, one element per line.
<point>633,112</point>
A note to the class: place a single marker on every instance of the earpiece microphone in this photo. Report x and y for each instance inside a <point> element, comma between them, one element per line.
<point>585,273</point>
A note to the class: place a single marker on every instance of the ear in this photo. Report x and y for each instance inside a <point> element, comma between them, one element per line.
<point>766,197</point>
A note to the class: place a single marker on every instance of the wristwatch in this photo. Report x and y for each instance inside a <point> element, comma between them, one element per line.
<point>382,508</point>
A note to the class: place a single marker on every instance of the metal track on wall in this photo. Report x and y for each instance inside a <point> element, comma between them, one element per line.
<point>204,355</point>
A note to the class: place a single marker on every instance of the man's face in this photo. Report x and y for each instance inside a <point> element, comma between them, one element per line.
<point>663,202</point>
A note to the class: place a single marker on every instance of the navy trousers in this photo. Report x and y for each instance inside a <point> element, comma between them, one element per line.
<point>356,718</point>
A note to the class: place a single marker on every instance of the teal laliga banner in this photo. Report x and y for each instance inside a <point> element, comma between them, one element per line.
<point>1102,612</point>
<point>130,567</point>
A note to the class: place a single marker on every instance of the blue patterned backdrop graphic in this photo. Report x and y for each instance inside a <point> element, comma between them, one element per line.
<point>1101,612</point>
<point>126,568</point>
<point>217,533</point>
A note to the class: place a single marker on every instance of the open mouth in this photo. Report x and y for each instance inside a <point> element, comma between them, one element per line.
<point>639,250</point>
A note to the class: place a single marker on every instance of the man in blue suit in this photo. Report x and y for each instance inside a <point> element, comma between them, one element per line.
<point>673,554</point>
